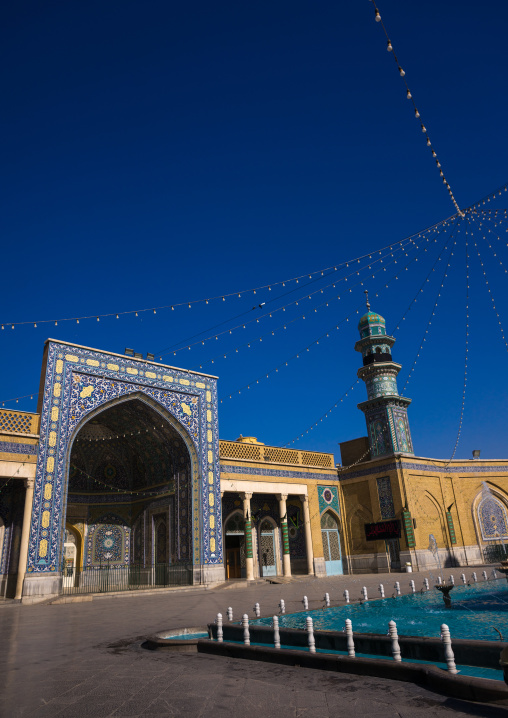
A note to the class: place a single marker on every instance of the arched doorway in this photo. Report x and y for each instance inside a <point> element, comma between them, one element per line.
<point>71,558</point>
<point>130,491</point>
<point>331,544</point>
<point>234,539</point>
<point>267,548</point>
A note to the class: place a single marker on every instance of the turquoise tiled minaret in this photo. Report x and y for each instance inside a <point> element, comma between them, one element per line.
<point>385,411</point>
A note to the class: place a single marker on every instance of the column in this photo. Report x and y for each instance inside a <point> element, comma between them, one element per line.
<point>308,535</point>
<point>286,560</point>
<point>25,534</point>
<point>249,561</point>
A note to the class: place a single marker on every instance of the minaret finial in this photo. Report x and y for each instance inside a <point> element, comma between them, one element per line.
<point>367,298</point>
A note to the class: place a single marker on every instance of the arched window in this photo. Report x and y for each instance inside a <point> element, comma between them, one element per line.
<point>331,544</point>
<point>492,518</point>
<point>235,524</point>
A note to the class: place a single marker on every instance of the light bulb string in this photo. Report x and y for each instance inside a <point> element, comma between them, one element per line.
<point>490,196</point>
<point>15,475</point>
<point>17,398</point>
<point>466,351</point>
<point>287,323</point>
<point>217,297</point>
<point>492,249</point>
<point>432,313</point>
<point>489,290</point>
<point>115,488</point>
<point>416,111</point>
<point>307,348</point>
<point>283,308</point>
<point>426,280</point>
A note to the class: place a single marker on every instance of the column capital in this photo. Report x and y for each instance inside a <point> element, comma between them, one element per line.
<point>281,497</point>
<point>246,496</point>
<point>29,483</point>
<point>303,498</point>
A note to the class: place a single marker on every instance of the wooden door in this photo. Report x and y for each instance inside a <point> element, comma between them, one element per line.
<point>233,567</point>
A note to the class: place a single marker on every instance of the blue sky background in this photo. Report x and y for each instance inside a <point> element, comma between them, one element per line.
<point>156,153</point>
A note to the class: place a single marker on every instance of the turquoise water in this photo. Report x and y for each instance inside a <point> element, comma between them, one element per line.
<point>475,611</point>
<point>475,671</point>
<point>187,636</point>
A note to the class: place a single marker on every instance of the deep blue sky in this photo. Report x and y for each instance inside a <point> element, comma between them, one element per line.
<point>161,152</point>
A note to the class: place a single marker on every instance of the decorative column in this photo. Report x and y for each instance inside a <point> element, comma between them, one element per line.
<point>249,561</point>
<point>25,535</point>
<point>286,560</point>
<point>308,535</point>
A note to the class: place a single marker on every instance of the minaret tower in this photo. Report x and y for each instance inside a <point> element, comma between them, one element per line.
<point>385,411</point>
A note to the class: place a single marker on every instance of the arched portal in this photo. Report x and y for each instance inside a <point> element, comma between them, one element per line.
<point>129,493</point>
<point>234,545</point>
<point>331,544</point>
<point>268,547</point>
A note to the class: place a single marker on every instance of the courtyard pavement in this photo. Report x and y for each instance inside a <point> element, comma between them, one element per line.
<point>85,659</point>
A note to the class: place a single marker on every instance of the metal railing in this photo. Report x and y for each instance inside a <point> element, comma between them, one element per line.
<point>107,579</point>
<point>495,553</point>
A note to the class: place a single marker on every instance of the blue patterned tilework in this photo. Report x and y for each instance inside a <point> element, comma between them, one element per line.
<point>10,447</point>
<point>328,499</point>
<point>423,467</point>
<point>280,473</point>
<point>79,383</point>
<point>492,518</point>
<point>384,491</point>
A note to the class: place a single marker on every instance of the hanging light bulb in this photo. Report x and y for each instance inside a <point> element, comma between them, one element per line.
<point>389,46</point>
<point>401,72</point>
<point>424,129</point>
<point>428,142</point>
<point>378,16</point>
<point>417,114</point>
<point>409,95</point>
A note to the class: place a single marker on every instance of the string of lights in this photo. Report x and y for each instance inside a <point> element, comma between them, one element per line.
<point>120,491</point>
<point>287,323</point>
<point>493,302</point>
<point>492,249</point>
<point>324,416</point>
<point>218,297</point>
<point>15,475</point>
<point>489,197</point>
<point>325,335</point>
<point>466,352</point>
<point>432,314</point>
<point>17,398</point>
<point>409,96</point>
<point>113,436</point>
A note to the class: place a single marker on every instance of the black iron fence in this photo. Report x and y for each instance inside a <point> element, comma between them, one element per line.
<point>495,553</point>
<point>106,578</point>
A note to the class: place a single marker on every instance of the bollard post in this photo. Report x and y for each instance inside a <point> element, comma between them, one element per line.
<point>276,634</point>
<point>310,635</point>
<point>447,641</point>
<point>397,588</point>
<point>305,602</point>
<point>349,638</point>
<point>426,583</point>
<point>392,632</point>
<point>475,577</point>
<point>346,595</point>
<point>327,600</point>
<point>412,586</point>
<point>452,580</point>
<point>230,613</point>
<point>246,632</point>
<point>382,590</point>
<point>257,610</point>
<point>282,606</point>
<point>494,573</point>
<point>463,577</point>
<point>484,574</point>
<point>218,621</point>
<point>439,580</point>
<point>364,593</point>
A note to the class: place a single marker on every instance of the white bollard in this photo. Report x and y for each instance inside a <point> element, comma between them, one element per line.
<point>218,621</point>
<point>382,590</point>
<point>364,593</point>
<point>397,588</point>
<point>412,586</point>
<point>426,583</point>
<point>305,602</point>
<point>463,577</point>
<point>327,600</point>
<point>257,610</point>
<point>452,580</point>
<point>439,580</point>
<point>346,595</point>
<point>494,573</point>
<point>246,632</point>
<point>230,613</point>
<point>475,577</point>
<point>349,638</point>
<point>392,632</point>
<point>447,641</point>
<point>282,606</point>
<point>276,634</point>
<point>310,635</point>
<point>484,574</point>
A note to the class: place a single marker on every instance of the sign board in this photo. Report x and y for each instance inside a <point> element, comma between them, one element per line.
<point>382,530</point>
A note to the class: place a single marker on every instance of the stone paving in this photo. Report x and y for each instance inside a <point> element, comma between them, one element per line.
<point>85,659</point>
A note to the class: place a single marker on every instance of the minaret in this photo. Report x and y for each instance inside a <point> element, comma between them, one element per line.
<point>385,411</point>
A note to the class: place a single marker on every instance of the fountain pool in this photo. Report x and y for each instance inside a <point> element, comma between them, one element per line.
<point>476,610</point>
